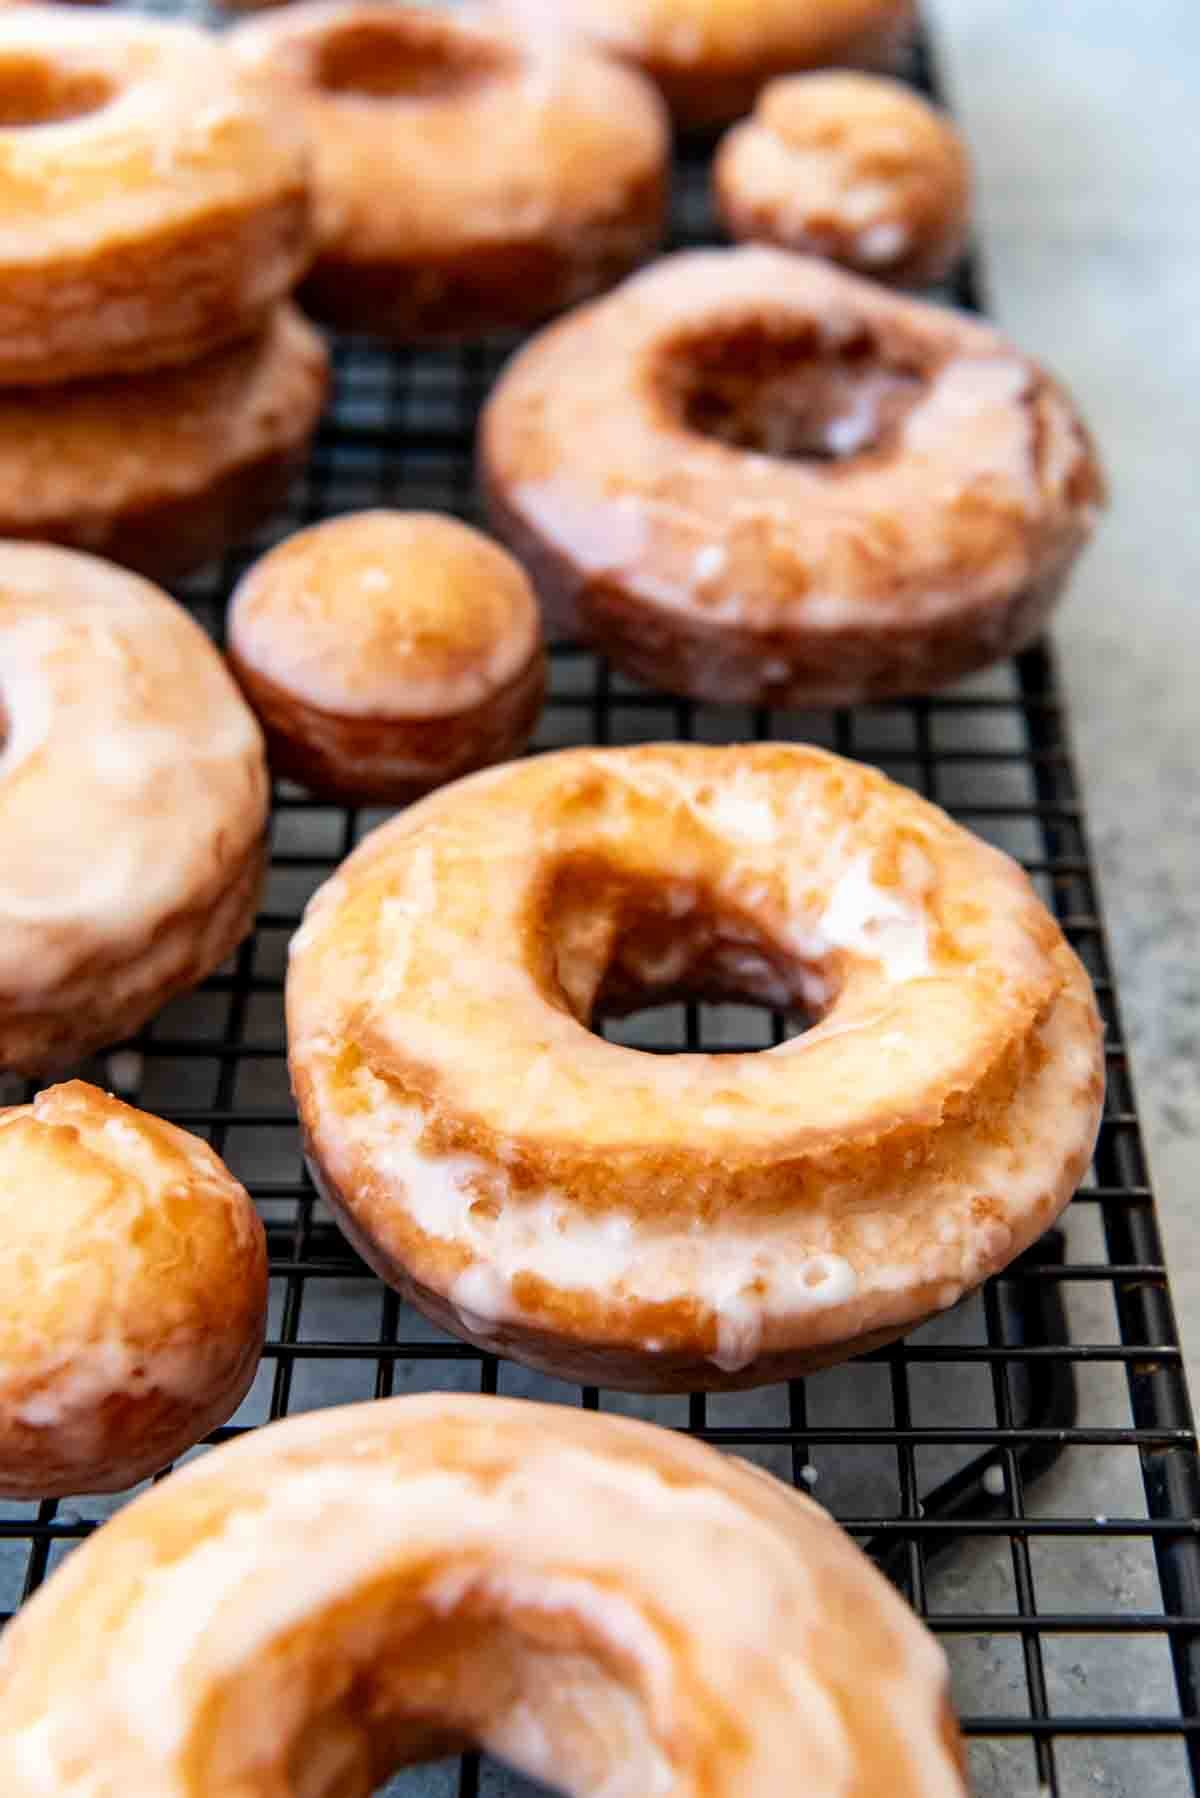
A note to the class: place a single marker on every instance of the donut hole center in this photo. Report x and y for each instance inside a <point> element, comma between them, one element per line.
<point>395,1687</point>
<point>36,92</point>
<point>624,951</point>
<point>410,59</point>
<point>796,393</point>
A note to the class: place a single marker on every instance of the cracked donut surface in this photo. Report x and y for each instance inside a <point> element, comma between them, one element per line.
<point>165,470</point>
<point>133,1293</point>
<point>749,477</point>
<point>856,168</point>
<point>610,1607</point>
<point>468,178</point>
<point>152,207</point>
<point>133,805</point>
<point>674,1222</point>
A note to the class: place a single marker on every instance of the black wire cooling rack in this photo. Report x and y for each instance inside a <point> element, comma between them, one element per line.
<point>1025,1470</point>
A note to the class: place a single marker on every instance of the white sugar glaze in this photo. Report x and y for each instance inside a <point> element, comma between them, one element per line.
<point>851,167</point>
<point>864,919</point>
<point>883,242</point>
<point>475,1131</point>
<point>133,773</point>
<point>386,615</point>
<point>958,487</point>
<point>164,163</point>
<point>132,1292</point>
<point>619,1670</point>
<point>744,1277</point>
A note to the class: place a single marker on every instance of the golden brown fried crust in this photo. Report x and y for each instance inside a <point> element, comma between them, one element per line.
<point>353,759</point>
<point>706,1221</point>
<point>164,472</point>
<point>749,477</point>
<point>856,168</point>
<point>503,186</point>
<point>145,1325</point>
<point>133,800</point>
<point>139,231</point>
<point>395,1579</point>
<point>193,285</point>
<point>110,999</point>
<point>387,652</point>
<point>487,287</point>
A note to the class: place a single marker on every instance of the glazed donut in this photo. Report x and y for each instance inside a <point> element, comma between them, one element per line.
<point>158,209</point>
<point>673,1223</point>
<point>853,167</point>
<point>133,805</point>
<point>466,179</point>
<point>747,476</point>
<point>387,652</point>
<point>166,470</point>
<point>133,1294</point>
<point>608,1606</point>
<point>711,57</point>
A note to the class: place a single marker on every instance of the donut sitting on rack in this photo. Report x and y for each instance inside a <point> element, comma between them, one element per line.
<point>609,1607</point>
<point>153,206</point>
<point>751,478</point>
<point>672,1223</point>
<point>469,178</point>
<point>133,1293</point>
<point>853,167</point>
<point>388,652</point>
<point>133,805</point>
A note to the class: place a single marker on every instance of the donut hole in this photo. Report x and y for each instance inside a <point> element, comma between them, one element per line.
<point>796,393</point>
<point>396,1683</point>
<point>622,946</point>
<point>411,59</point>
<point>727,1024</point>
<point>36,92</point>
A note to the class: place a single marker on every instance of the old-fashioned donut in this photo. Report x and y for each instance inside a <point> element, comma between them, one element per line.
<point>388,652</point>
<point>853,167</point>
<point>678,1222</point>
<point>133,805</point>
<point>133,1293</point>
<point>711,57</point>
<point>748,476</point>
<point>610,1607</point>
<point>166,470</point>
<point>152,206</point>
<point>468,178</point>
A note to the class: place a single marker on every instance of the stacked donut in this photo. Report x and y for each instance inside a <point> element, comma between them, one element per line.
<point>156,390</point>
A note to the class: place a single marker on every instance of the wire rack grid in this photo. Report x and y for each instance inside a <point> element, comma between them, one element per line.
<point>1026,1469</point>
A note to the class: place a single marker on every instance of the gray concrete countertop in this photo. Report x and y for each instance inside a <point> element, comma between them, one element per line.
<point>1083,118</point>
